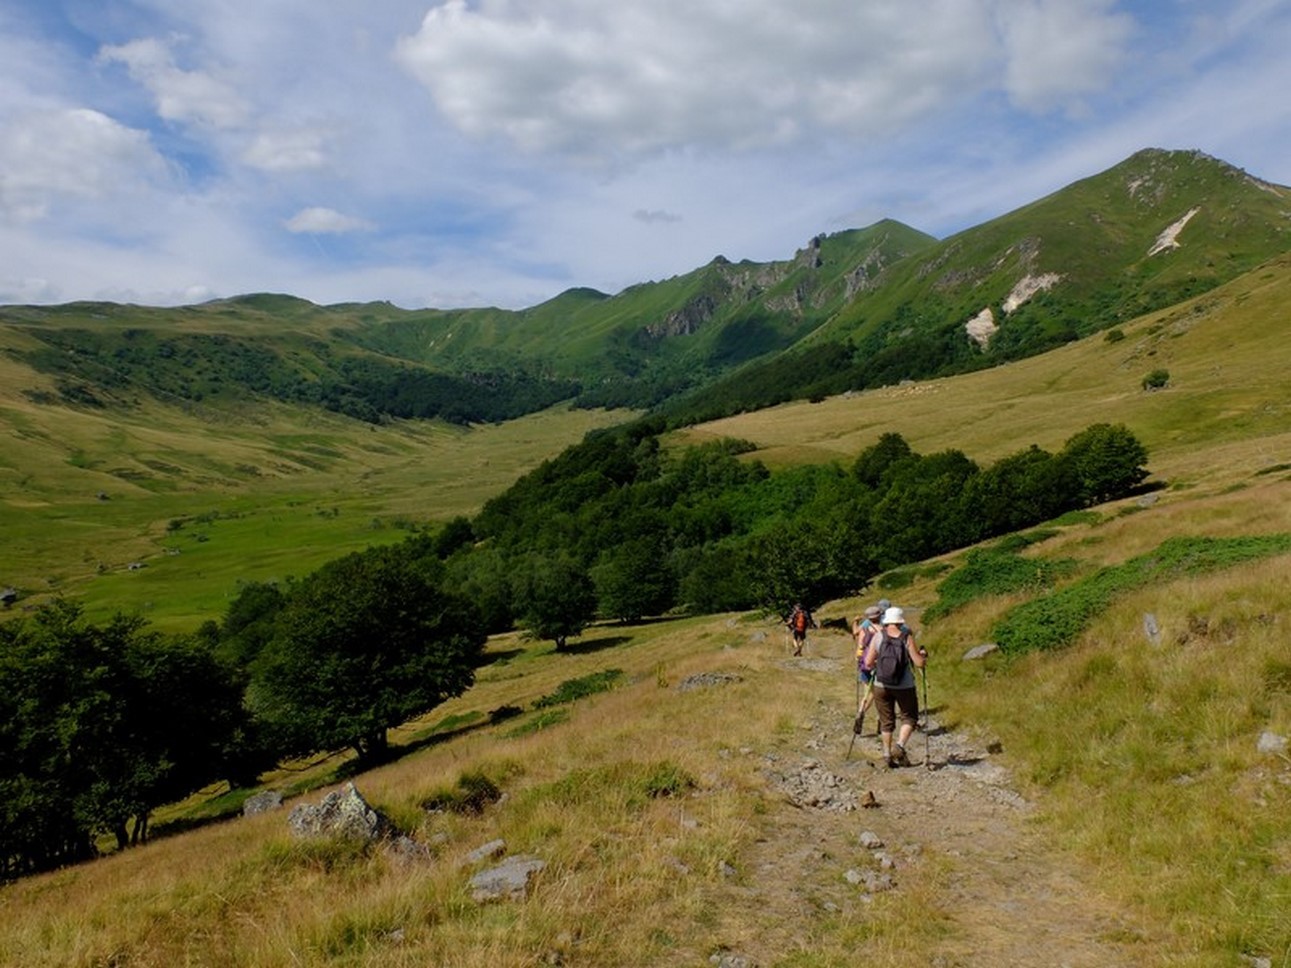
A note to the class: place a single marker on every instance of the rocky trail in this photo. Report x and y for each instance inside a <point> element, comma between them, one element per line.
<point>949,839</point>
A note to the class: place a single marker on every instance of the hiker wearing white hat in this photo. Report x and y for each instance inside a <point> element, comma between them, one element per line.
<point>894,655</point>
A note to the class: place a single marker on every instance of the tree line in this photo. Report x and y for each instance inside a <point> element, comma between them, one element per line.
<point>90,366</point>
<point>101,724</point>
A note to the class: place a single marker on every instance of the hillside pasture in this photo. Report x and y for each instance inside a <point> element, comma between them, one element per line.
<point>201,499</point>
<point>1225,413</point>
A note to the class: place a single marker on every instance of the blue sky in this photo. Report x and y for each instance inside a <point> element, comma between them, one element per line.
<point>496,152</point>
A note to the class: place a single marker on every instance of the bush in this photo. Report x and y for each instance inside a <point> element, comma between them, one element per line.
<point>994,572</point>
<point>474,791</point>
<point>1056,620</point>
<point>572,689</point>
<point>1156,380</point>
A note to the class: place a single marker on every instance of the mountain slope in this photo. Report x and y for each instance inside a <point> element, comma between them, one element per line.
<point>1156,229</point>
<point>855,309</point>
<point>661,334</point>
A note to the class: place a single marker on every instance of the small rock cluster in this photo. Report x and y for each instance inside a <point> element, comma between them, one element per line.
<point>703,680</point>
<point>873,880</point>
<point>811,785</point>
<point>344,813</point>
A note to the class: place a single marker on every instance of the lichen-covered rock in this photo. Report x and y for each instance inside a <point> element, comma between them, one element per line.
<point>342,813</point>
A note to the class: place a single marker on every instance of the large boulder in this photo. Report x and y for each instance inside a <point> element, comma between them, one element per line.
<point>342,813</point>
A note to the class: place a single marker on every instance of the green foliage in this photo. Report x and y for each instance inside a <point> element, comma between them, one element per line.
<point>95,366</point>
<point>633,579</point>
<point>703,529</point>
<point>1055,620</point>
<point>1107,461</point>
<point>473,792</point>
<point>572,690</point>
<point>99,725</point>
<point>1156,380</point>
<point>544,720</point>
<point>666,779</point>
<point>555,598</point>
<point>993,571</point>
<point>363,644</point>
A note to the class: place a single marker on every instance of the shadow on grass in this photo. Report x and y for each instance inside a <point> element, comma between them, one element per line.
<point>594,645</point>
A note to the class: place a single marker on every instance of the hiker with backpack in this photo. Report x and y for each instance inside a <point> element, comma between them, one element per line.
<point>865,630</point>
<point>894,655</point>
<point>800,619</point>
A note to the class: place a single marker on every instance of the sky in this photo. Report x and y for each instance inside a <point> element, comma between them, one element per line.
<point>451,153</point>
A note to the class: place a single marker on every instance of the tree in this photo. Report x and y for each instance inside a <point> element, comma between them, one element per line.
<point>363,644</point>
<point>556,598</point>
<point>634,579</point>
<point>1107,461</point>
<point>99,725</point>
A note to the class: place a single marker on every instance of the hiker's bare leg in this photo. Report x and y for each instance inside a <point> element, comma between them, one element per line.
<point>904,736</point>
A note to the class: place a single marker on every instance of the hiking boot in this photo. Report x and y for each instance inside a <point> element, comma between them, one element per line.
<point>899,756</point>
<point>891,761</point>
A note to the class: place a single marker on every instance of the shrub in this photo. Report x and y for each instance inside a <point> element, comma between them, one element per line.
<point>1057,619</point>
<point>474,791</point>
<point>572,689</point>
<point>1156,380</point>
<point>994,572</point>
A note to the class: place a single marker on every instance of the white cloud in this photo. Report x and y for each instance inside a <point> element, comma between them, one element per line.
<point>325,221</point>
<point>173,163</point>
<point>185,96</point>
<point>298,149</point>
<point>70,154</point>
<point>1056,50</point>
<point>639,76</point>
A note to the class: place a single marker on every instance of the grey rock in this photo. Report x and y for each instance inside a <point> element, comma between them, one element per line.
<point>507,881</point>
<point>262,802</point>
<point>981,651</point>
<point>489,851</point>
<point>404,848</point>
<point>342,813</point>
<point>870,840</point>
<point>1152,629</point>
<point>1271,743</point>
<point>705,679</point>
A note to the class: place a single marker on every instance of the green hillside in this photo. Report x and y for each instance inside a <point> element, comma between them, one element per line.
<point>655,338</point>
<point>851,310</point>
<point>1152,231</point>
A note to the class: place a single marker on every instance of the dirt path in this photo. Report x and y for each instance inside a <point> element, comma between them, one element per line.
<point>958,846</point>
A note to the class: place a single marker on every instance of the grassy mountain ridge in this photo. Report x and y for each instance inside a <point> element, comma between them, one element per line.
<point>711,318</point>
<point>1156,229</point>
<point>852,309</point>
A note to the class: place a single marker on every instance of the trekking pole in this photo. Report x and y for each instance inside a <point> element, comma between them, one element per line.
<point>859,724</point>
<point>927,742</point>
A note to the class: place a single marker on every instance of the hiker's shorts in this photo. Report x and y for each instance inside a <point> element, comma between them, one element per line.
<point>889,702</point>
